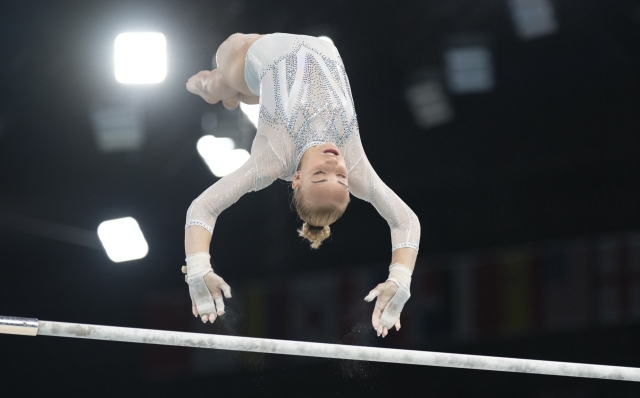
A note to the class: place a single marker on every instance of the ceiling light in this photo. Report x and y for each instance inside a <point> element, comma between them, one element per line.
<point>140,58</point>
<point>123,240</point>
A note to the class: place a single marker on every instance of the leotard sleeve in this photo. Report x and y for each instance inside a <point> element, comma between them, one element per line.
<point>365,184</point>
<point>262,168</point>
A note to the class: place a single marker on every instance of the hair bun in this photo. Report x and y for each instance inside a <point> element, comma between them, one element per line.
<point>314,234</point>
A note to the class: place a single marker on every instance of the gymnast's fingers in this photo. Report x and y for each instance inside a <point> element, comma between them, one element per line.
<point>375,318</point>
<point>385,331</point>
<point>194,309</point>
<point>212,317</point>
<point>398,324</point>
<point>226,289</point>
<point>372,294</point>
<point>219,305</point>
<point>205,318</point>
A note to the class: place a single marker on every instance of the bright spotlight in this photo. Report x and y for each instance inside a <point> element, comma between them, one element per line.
<point>123,240</point>
<point>140,58</point>
<point>252,112</point>
<point>326,38</point>
<point>228,162</point>
<point>210,146</point>
<point>219,154</point>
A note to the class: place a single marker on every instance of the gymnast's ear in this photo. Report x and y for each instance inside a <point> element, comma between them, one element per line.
<point>296,180</point>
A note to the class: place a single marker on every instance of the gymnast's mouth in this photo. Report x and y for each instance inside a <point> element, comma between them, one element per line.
<point>332,151</point>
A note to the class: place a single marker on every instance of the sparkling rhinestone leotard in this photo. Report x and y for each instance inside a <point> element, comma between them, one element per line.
<point>305,100</point>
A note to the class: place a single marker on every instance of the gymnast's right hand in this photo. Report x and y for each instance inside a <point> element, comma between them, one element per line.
<point>205,287</point>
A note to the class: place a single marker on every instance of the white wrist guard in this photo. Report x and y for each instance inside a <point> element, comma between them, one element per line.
<point>399,274</point>
<point>198,265</point>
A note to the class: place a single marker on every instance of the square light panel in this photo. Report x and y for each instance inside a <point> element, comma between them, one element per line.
<point>469,69</point>
<point>140,58</point>
<point>123,240</point>
<point>429,103</point>
<point>533,18</point>
<point>219,154</point>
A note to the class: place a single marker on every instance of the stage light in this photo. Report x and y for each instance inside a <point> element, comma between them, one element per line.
<point>118,128</point>
<point>469,69</point>
<point>429,103</point>
<point>228,162</point>
<point>140,58</point>
<point>210,146</point>
<point>326,38</point>
<point>220,156</point>
<point>533,18</point>
<point>252,112</point>
<point>122,239</point>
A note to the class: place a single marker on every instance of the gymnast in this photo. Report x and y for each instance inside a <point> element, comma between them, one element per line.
<point>307,134</point>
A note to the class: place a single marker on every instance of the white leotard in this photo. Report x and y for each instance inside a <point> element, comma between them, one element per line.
<point>305,100</point>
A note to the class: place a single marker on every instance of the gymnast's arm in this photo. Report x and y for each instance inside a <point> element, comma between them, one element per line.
<point>205,286</point>
<point>205,209</point>
<point>392,294</point>
<point>365,184</point>
<point>262,168</point>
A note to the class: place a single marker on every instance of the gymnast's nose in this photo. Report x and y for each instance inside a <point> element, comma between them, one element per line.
<point>332,160</point>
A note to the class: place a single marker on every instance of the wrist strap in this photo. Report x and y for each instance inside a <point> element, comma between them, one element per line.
<point>198,264</point>
<point>400,274</point>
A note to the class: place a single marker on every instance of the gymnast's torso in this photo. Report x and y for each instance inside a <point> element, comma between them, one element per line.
<point>305,100</point>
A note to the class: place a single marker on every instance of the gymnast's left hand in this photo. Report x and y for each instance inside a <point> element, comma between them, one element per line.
<point>391,298</point>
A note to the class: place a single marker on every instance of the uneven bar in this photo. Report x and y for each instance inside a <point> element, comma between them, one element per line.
<point>22,326</point>
<point>335,351</point>
<point>28,326</point>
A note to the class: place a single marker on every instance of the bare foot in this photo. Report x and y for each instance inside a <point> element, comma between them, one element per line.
<point>196,83</point>
<point>231,103</point>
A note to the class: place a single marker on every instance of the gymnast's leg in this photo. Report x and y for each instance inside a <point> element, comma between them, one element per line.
<point>226,83</point>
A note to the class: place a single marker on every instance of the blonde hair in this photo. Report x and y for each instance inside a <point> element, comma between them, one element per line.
<point>320,216</point>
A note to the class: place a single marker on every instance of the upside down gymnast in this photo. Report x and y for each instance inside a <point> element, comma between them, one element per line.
<point>307,134</point>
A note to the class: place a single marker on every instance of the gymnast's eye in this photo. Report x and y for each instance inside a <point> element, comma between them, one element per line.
<point>342,175</point>
<point>318,172</point>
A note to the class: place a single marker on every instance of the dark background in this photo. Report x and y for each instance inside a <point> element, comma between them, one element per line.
<point>552,151</point>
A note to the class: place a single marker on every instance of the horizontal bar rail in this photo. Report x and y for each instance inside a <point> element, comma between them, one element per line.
<point>29,326</point>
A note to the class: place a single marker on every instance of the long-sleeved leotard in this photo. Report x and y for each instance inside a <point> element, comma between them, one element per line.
<point>305,100</point>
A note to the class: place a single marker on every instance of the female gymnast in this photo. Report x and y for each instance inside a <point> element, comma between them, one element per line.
<point>307,134</point>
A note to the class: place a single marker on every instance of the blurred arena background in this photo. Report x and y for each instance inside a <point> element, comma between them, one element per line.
<point>509,126</point>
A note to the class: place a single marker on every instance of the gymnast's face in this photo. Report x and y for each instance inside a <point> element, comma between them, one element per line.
<point>323,175</point>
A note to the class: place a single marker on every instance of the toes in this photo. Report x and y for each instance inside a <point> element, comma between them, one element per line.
<point>230,104</point>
